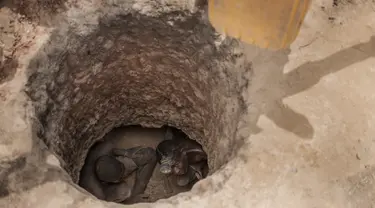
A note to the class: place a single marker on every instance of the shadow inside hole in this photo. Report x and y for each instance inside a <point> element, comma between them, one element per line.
<point>159,186</point>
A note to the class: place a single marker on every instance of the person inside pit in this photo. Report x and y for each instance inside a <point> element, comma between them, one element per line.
<point>117,175</point>
<point>181,157</point>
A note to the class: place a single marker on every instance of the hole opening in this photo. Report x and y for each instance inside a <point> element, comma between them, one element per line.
<point>150,71</point>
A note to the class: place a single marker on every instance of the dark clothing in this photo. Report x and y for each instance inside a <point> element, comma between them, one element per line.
<point>142,162</point>
<point>185,157</point>
<point>183,152</point>
<point>145,159</point>
<point>109,169</point>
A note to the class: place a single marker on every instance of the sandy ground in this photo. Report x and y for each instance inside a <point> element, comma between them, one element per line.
<point>314,111</point>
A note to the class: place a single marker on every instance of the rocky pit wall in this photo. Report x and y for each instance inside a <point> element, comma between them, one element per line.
<point>290,128</point>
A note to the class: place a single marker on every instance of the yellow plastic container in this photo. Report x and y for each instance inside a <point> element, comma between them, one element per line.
<point>266,23</point>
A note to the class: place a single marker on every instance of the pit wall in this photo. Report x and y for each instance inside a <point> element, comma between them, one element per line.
<point>311,123</point>
<point>134,69</point>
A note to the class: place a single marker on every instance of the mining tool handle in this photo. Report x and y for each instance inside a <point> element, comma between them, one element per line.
<point>272,24</point>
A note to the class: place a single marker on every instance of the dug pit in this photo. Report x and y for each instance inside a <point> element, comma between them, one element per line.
<point>133,69</point>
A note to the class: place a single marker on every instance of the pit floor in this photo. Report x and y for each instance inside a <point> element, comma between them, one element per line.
<point>159,186</point>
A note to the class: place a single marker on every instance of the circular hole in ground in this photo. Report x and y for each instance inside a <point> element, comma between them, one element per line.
<point>138,70</point>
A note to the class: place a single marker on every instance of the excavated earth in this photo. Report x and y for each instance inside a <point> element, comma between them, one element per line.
<point>288,128</point>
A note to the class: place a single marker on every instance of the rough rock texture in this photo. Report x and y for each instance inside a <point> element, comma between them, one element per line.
<point>135,69</point>
<point>130,68</point>
<point>309,109</point>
